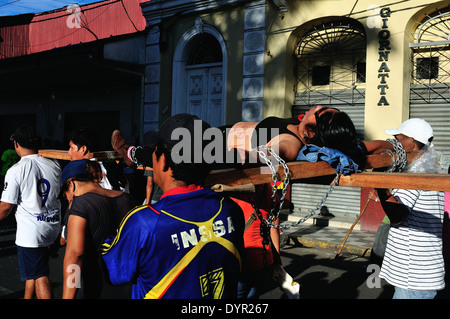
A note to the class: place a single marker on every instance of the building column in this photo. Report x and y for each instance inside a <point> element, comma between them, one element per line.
<point>152,80</point>
<point>387,75</point>
<point>253,61</point>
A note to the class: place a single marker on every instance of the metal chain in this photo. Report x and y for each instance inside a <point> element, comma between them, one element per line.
<point>315,209</point>
<point>264,232</point>
<point>401,161</point>
<point>133,154</point>
<point>273,216</point>
<point>267,223</point>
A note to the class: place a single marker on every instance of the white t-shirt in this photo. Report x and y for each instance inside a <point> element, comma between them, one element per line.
<point>104,183</point>
<point>33,184</point>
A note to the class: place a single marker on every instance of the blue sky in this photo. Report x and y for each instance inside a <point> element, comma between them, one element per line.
<point>14,7</point>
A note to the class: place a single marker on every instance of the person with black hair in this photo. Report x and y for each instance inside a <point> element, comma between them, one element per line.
<point>82,143</point>
<point>336,130</point>
<point>32,184</point>
<point>322,126</point>
<point>94,214</point>
<point>190,243</point>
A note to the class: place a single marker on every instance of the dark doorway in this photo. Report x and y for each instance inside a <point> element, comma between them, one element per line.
<point>9,123</point>
<point>102,125</point>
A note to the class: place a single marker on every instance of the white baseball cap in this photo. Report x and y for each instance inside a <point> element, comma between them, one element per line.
<point>418,129</point>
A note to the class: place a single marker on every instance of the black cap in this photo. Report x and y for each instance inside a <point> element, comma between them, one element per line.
<point>149,137</point>
<point>26,137</point>
<point>182,120</point>
<point>190,133</point>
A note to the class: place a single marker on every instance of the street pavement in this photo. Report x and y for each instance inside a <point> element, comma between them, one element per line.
<point>320,274</point>
<point>308,255</point>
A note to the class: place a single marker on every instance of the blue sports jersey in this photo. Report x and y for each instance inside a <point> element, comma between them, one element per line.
<point>187,245</point>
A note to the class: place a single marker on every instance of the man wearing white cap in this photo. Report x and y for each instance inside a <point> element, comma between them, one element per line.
<point>413,261</point>
<point>417,132</point>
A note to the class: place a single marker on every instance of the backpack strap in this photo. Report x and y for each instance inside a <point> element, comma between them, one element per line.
<point>250,220</point>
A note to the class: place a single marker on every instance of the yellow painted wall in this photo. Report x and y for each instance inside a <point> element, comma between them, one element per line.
<point>287,28</point>
<point>284,30</point>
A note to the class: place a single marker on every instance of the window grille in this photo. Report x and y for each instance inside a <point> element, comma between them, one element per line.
<point>430,59</point>
<point>331,64</point>
<point>206,49</point>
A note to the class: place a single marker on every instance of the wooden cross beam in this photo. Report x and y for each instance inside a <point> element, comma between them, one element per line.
<point>323,173</point>
<point>434,182</point>
<point>308,172</point>
<point>299,171</point>
<point>62,155</point>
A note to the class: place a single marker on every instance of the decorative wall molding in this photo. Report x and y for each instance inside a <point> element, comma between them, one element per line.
<point>253,61</point>
<point>282,5</point>
<point>199,25</point>
<point>156,10</point>
<point>152,80</point>
<point>180,60</point>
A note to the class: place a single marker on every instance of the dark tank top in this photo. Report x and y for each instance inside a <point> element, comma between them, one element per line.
<point>265,135</point>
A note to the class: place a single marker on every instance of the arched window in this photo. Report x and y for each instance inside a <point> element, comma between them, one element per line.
<point>430,77</point>
<point>205,49</point>
<point>431,59</point>
<point>331,64</point>
<point>331,68</point>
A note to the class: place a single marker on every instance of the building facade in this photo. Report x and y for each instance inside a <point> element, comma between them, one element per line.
<point>71,67</point>
<point>138,62</point>
<point>231,60</point>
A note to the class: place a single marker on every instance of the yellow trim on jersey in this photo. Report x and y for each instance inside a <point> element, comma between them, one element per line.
<point>160,288</point>
<point>106,247</point>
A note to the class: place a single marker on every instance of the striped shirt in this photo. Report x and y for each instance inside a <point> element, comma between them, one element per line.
<point>413,258</point>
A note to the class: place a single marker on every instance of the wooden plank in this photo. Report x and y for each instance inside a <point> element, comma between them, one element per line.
<point>318,175</point>
<point>322,173</point>
<point>298,171</point>
<point>436,182</point>
<point>307,172</point>
<point>55,154</point>
<point>62,155</point>
<point>102,155</point>
<point>262,175</point>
